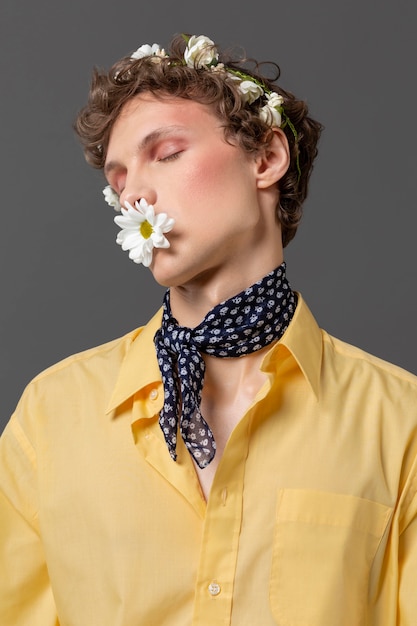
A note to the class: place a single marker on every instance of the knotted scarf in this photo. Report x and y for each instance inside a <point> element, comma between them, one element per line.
<point>245,323</point>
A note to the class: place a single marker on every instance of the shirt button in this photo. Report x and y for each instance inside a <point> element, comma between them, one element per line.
<point>214,589</point>
<point>154,394</point>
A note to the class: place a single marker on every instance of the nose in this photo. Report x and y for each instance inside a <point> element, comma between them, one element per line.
<point>131,198</point>
<point>135,189</point>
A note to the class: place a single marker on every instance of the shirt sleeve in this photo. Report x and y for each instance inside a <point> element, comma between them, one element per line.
<point>25,593</point>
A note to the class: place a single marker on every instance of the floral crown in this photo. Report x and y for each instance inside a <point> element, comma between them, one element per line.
<point>201,53</point>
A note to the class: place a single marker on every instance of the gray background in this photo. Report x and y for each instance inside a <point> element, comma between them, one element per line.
<point>65,284</point>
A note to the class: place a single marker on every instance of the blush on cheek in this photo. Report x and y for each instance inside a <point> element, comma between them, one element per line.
<point>198,177</point>
<point>207,175</point>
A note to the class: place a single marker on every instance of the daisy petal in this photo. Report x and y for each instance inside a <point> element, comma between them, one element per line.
<point>142,231</point>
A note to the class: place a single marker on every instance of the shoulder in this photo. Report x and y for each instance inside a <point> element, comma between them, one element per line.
<point>336,368</point>
<point>83,383</point>
<point>366,381</point>
<point>91,373</point>
<point>109,353</point>
<point>351,356</point>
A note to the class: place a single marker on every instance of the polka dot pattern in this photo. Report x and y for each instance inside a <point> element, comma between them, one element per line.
<point>241,325</point>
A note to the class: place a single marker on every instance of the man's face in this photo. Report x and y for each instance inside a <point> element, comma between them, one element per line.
<point>172,152</point>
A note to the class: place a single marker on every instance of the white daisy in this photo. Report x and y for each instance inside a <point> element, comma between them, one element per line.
<point>111,197</point>
<point>142,231</point>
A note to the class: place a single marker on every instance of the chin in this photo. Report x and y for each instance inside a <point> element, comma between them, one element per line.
<point>183,267</point>
<point>169,273</point>
<point>163,269</point>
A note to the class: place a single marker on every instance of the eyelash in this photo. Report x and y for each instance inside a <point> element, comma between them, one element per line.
<point>171,157</point>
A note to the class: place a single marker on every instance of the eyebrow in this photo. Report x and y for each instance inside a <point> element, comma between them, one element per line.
<point>152,137</point>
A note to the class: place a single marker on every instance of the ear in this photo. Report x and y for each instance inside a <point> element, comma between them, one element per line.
<point>274,161</point>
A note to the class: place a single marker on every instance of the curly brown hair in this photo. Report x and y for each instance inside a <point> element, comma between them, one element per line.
<point>169,76</point>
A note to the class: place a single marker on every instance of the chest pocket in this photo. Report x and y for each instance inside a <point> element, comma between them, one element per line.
<point>323,550</point>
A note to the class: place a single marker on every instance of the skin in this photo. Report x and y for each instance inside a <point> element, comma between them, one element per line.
<point>226,236</point>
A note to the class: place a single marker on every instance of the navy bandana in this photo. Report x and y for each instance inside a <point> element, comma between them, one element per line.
<point>249,321</point>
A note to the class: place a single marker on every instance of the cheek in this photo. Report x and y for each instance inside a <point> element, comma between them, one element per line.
<point>203,176</point>
<point>210,176</point>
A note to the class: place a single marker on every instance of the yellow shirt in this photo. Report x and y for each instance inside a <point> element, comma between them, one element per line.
<point>311,520</point>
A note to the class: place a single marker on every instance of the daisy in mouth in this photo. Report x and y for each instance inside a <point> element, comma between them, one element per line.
<point>142,230</point>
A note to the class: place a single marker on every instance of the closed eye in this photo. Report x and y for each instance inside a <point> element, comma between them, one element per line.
<point>171,157</point>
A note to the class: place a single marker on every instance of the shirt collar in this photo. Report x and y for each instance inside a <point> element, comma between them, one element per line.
<point>133,377</point>
<point>302,338</point>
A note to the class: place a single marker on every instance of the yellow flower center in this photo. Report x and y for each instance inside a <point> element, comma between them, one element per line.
<point>146,229</point>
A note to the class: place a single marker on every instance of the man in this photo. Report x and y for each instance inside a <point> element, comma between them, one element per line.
<point>229,462</point>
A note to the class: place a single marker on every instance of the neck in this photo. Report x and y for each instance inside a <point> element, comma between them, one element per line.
<point>190,303</point>
<point>250,320</point>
